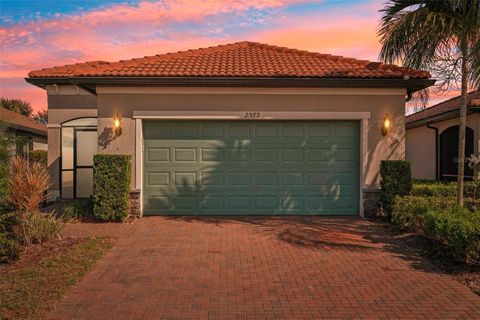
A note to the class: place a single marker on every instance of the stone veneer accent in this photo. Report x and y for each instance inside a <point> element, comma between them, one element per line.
<point>134,205</point>
<point>371,207</point>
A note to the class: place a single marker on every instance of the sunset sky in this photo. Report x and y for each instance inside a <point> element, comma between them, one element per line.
<point>42,33</point>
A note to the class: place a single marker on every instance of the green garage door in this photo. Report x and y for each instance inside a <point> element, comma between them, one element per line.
<point>251,167</point>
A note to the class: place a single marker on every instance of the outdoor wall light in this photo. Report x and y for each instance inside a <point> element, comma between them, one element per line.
<point>117,126</point>
<point>387,125</point>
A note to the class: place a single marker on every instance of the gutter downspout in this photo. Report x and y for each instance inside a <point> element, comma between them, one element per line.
<point>437,173</point>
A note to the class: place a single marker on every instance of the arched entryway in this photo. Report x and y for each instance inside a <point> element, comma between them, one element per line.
<point>449,153</point>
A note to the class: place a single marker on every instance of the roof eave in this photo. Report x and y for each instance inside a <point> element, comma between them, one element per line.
<point>15,126</point>
<point>89,83</point>
<point>447,115</point>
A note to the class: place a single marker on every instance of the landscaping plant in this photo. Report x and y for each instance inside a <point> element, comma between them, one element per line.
<point>408,211</point>
<point>27,183</point>
<point>396,180</point>
<point>111,186</point>
<point>458,229</point>
<point>80,208</point>
<point>39,156</point>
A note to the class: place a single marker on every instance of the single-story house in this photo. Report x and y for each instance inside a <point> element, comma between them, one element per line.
<point>432,138</point>
<point>243,128</point>
<point>33,134</point>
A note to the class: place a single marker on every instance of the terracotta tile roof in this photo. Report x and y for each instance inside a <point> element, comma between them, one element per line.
<point>15,120</point>
<point>242,59</point>
<point>443,107</point>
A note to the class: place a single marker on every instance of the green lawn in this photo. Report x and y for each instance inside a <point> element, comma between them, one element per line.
<point>31,291</point>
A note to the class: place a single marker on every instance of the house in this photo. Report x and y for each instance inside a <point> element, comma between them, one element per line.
<point>32,134</point>
<point>243,128</point>
<point>432,138</point>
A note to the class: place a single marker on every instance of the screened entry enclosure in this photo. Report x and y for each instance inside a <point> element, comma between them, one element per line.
<point>79,145</point>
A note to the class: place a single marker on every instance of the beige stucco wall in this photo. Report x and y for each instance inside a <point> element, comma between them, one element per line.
<point>378,103</point>
<point>66,103</point>
<point>420,145</point>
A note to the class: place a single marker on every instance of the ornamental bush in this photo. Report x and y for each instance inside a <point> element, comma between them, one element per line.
<point>39,156</point>
<point>458,229</point>
<point>407,211</point>
<point>9,249</point>
<point>111,186</point>
<point>434,190</point>
<point>396,180</point>
<point>78,209</point>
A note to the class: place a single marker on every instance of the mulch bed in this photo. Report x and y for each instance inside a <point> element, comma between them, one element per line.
<point>433,253</point>
<point>466,274</point>
<point>36,252</point>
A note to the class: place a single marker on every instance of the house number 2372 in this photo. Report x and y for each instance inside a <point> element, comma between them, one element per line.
<point>252,115</point>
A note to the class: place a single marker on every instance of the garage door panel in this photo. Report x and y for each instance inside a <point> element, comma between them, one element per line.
<point>210,202</point>
<point>158,178</point>
<point>238,202</point>
<point>251,167</point>
<point>240,130</point>
<point>158,154</point>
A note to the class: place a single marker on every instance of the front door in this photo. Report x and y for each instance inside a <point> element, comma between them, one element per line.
<point>85,149</point>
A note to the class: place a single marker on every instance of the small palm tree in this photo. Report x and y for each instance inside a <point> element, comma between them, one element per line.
<point>423,34</point>
<point>18,106</point>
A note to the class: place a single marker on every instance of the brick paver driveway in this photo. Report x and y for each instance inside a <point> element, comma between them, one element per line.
<point>166,267</point>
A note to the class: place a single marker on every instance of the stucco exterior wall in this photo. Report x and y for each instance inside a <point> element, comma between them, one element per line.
<point>64,103</point>
<point>378,147</point>
<point>420,151</point>
<point>420,145</point>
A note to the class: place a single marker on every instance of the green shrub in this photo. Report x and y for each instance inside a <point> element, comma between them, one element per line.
<point>407,211</point>
<point>111,187</point>
<point>396,181</point>
<point>456,228</point>
<point>434,190</point>
<point>8,221</point>
<point>441,189</point>
<point>80,208</point>
<point>37,228</point>
<point>39,156</point>
<point>9,249</point>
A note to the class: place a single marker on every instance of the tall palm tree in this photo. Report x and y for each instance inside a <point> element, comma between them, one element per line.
<point>422,34</point>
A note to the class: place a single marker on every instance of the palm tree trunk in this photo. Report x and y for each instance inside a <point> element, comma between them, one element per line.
<point>463,124</point>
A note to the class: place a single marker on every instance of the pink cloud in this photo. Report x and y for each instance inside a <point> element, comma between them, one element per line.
<point>127,31</point>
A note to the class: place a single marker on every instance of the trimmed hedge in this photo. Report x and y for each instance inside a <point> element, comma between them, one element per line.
<point>440,189</point>
<point>458,229</point>
<point>407,211</point>
<point>111,186</point>
<point>39,156</point>
<point>434,190</point>
<point>396,181</point>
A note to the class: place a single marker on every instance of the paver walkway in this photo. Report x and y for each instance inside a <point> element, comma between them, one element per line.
<point>260,268</point>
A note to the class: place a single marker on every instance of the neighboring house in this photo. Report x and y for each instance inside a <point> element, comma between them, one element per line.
<point>432,138</point>
<point>243,128</point>
<point>32,134</point>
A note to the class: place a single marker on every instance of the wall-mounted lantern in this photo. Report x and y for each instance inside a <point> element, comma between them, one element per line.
<point>117,125</point>
<point>387,125</point>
